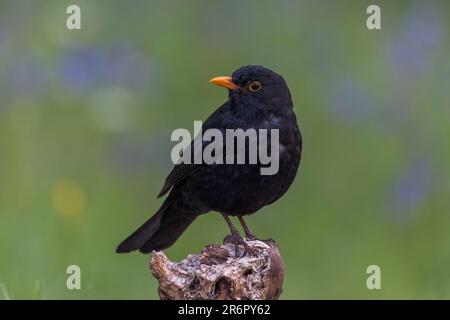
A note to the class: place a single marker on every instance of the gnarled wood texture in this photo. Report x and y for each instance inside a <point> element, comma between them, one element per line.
<point>218,274</point>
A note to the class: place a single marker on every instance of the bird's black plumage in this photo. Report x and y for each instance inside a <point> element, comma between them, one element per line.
<point>231,189</point>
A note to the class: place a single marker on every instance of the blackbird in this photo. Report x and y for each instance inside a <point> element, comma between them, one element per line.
<point>258,98</point>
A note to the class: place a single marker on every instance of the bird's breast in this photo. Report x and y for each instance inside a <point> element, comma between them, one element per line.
<point>242,189</point>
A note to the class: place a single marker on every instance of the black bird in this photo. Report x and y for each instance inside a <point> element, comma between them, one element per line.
<point>259,98</point>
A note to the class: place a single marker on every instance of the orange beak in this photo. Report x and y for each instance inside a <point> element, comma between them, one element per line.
<point>226,82</point>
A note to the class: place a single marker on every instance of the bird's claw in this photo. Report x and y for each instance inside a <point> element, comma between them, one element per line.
<point>237,240</point>
<point>250,237</point>
<point>269,241</point>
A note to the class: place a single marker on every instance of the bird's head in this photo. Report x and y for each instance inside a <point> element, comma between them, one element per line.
<point>255,82</point>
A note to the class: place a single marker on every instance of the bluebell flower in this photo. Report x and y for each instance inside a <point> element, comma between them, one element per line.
<point>420,39</point>
<point>411,188</point>
<point>132,154</point>
<point>30,77</point>
<point>352,101</point>
<point>85,68</point>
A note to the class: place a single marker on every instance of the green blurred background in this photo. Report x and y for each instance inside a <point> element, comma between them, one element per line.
<point>86,117</point>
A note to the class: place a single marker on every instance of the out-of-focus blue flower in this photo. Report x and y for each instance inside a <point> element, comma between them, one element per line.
<point>411,188</point>
<point>131,154</point>
<point>30,77</point>
<point>351,101</point>
<point>133,69</point>
<point>423,32</point>
<point>326,57</point>
<point>3,33</point>
<point>84,68</point>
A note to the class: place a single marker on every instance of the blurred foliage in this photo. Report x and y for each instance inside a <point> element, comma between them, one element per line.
<point>86,116</point>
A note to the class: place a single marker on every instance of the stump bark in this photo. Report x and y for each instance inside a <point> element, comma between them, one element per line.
<point>216,273</point>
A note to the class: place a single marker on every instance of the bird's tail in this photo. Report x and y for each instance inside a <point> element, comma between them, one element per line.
<point>160,231</point>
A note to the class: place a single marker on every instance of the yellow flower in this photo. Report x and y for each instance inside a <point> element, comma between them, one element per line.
<point>67,198</point>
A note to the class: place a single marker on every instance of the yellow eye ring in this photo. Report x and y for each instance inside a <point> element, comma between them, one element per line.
<point>255,86</point>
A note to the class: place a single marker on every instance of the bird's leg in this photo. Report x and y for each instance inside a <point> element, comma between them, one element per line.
<point>248,233</point>
<point>236,237</point>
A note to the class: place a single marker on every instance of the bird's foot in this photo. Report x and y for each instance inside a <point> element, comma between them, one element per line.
<point>250,236</point>
<point>269,241</point>
<point>237,240</point>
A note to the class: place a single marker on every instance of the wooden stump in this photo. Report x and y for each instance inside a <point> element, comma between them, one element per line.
<point>216,273</point>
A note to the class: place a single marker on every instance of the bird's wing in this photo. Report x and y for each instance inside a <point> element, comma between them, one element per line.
<point>178,173</point>
<point>182,171</point>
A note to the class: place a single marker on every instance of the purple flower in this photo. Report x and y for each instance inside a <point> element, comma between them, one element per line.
<point>421,38</point>
<point>83,68</point>
<point>131,154</point>
<point>3,33</point>
<point>30,77</point>
<point>351,101</point>
<point>411,188</point>
<point>131,69</point>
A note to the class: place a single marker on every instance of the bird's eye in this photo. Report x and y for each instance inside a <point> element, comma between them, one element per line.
<point>254,86</point>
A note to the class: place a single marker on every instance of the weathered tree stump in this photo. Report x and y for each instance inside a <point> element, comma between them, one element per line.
<point>216,273</point>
